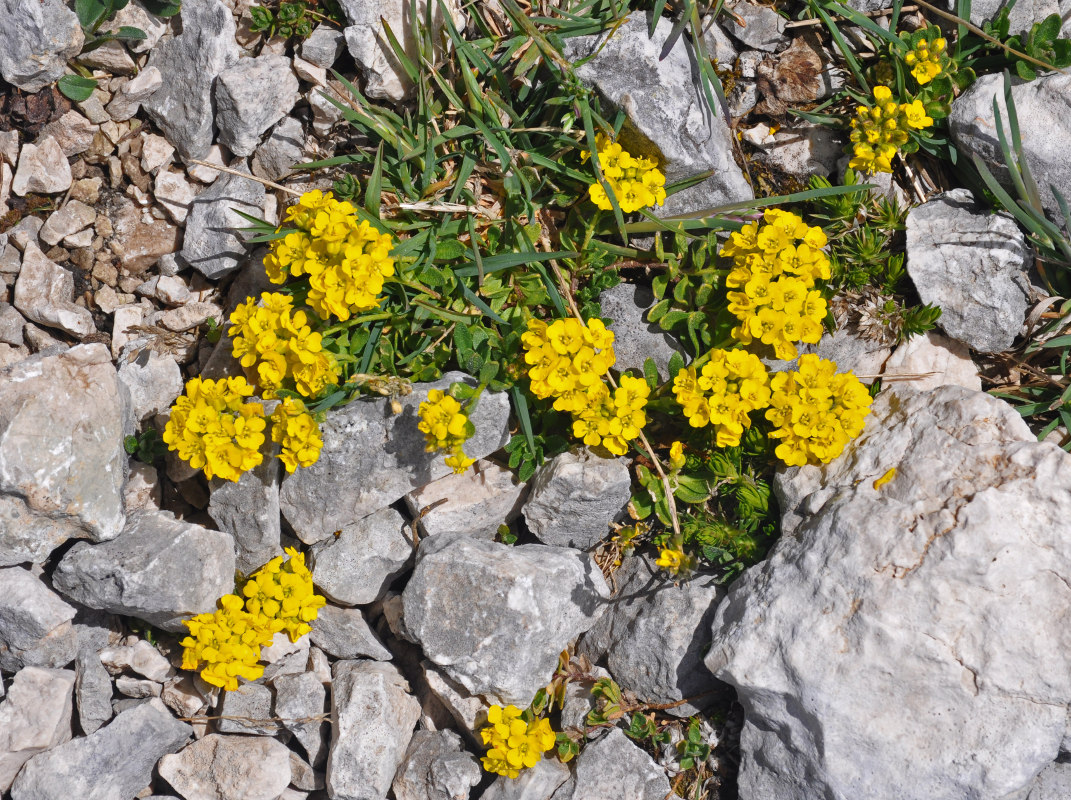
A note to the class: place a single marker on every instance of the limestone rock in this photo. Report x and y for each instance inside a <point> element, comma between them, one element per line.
<point>36,40</point>
<point>654,634</point>
<point>372,457</point>
<point>285,147</point>
<point>139,242</point>
<point>248,509</point>
<point>324,46</point>
<point>115,763</point>
<point>574,498</point>
<point>385,79</point>
<point>140,657</point>
<point>374,716</point>
<point>974,265</point>
<point>248,710</point>
<point>126,102</point>
<point>35,716</point>
<point>62,463</point>
<point>454,609</point>
<point>252,96</point>
<point>476,502</point>
<point>667,114</point>
<point>92,691</point>
<point>635,339</point>
<point>44,293</point>
<point>229,768</point>
<point>614,767</point>
<point>939,361</point>
<point>35,624</point>
<point>72,218</point>
<point>896,621</point>
<point>174,193</point>
<point>343,633</point>
<point>153,381</point>
<point>298,700</point>
<point>1046,103</point>
<point>72,132</point>
<point>436,767</point>
<point>538,783</point>
<point>43,169</point>
<point>161,570</point>
<point>1053,783</point>
<point>182,107</point>
<point>212,245</point>
<point>357,566</point>
<point>757,27</point>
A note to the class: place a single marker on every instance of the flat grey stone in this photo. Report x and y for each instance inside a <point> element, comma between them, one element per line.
<point>910,647</point>
<point>248,509</point>
<point>62,463</point>
<point>35,716</point>
<point>115,763</point>
<point>477,502</point>
<point>153,380</point>
<point>252,96</point>
<point>655,633</point>
<point>190,62</point>
<point>613,766</point>
<point>436,767</point>
<point>374,716</point>
<point>636,339</point>
<point>229,768</point>
<point>538,783</point>
<point>453,608</point>
<point>372,457</point>
<point>251,702</point>
<point>343,633</point>
<point>44,292</point>
<point>974,265</point>
<point>275,159</point>
<point>298,699</point>
<point>357,566</point>
<point>212,244</point>
<point>324,46</point>
<point>36,41</point>
<point>762,28</point>
<point>161,570</point>
<point>575,496</point>
<point>667,113</point>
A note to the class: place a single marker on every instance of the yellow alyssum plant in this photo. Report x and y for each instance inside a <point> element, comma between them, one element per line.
<point>775,267</point>
<point>928,59</point>
<point>278,341</point>
<point>816,411</point>
<point>226,644</point>
<point>568,361</point>
<point>635,180</point>
<point>881,130</point>
<point>346,259</point>
<point>728,387</point>
<point>446,427</point>
<point>213,427</point>
<point>296,432</point>
<point>513,742</point>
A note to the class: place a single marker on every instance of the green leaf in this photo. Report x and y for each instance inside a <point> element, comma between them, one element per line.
<point>463,341</point>
<point>449,249</point>
<point>90,13</point>
<point>1025,71</point>
<point>1047,31</point>
<point>130,444</point>
<point>658,310</point>
<point>650,373</point>
<point>76,87</point>
<point>130,33</point>
<point>676,364</point>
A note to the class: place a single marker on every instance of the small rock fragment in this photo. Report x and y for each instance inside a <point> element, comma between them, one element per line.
<point>73,217</point>
<point>35,716</point>
<point>126,102</point>
<point>212,245</point>
<point>343,633</point>
<point>43,169</point>
<point>252,96</point>
<point>476,502</point>
<point>229,768</point>
<point>248,710</point>
<point>436,767</point>
<point>299,702</point>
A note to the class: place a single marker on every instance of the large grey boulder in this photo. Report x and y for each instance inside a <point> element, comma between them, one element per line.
<point>115,763</point>
<point>357,566</point>
<point>252,96</point>
<point>36,41</point>
<point>1043,107</point>
<point>161,570</point>
<point>190,62</point>
<point>374,716</point>
<point>35,624</point>
<point>229,768</point>
<point>372,457</point>
<point>974,265</point>
<point>575,496</point>
<point>614,767</point>
<point>909,640</point>
<point>62,463</point>
<point>212,244</point>
<point>654,635</point>
<point>35,716</point>
<point>1053,783</point>
<point>668,115</point>
<point>495,617</point>
<point>436,767</point>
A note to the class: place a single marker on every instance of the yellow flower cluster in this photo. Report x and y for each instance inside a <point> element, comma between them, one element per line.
<point>925,59</point>
<point>731,385</point>
<point>672,561</point>
<point>635,181</point>
<point>446,427</point>
<point>514,744</point>
<point>346,260</point>
<point>227,642</point>
<point>567,360</point>
<point>214,429</point>
<point>279,341</point>
<point>880,130</point>
<point>278,597</point>
<point>775,266</point>
<point>296,432</point>
<point>283,592</point>
<point>816,410</point>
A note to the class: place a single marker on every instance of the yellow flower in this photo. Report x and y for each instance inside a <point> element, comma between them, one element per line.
<point>879,131</point>
<point>671,560</point>
<point>227,642</point>
<point>635,182</point>
<point>513,743</point>
<point>446,427</point>
<point>298,434</point>
<point>283,592</point>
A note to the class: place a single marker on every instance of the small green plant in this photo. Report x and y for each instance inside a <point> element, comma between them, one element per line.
<point>146,447</point>
<point>1042,43</point>
<point>692,751</point>
<point>295,18</point>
